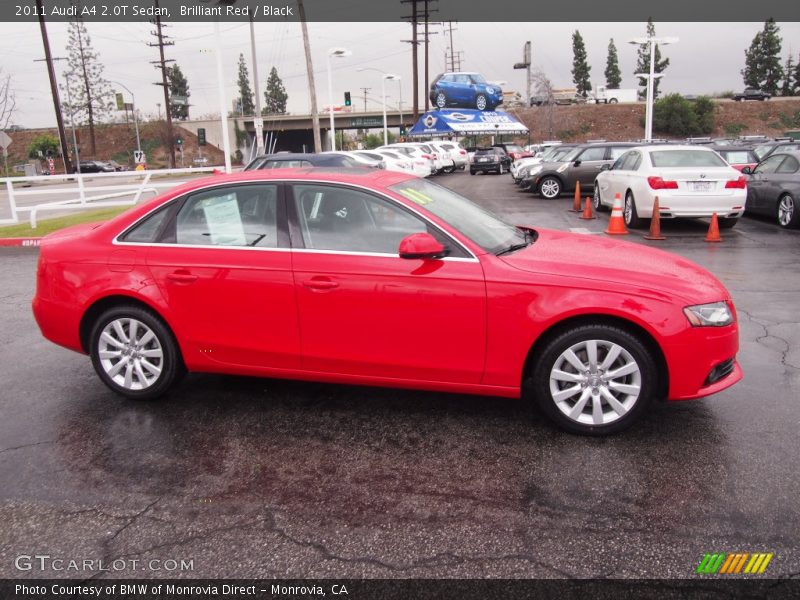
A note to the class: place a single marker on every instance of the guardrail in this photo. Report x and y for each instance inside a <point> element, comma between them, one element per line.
<point>82,201</point>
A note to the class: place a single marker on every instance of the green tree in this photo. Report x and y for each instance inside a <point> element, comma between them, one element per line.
<point>612,73</point>
<point>580,66</point>
<point>90,96</point>
<point>275,96</point>
<point>374,140</point>
<point>178,86</point>
<point>762,61</point>
<point>789,82</point>
<point>46,144</point>
<point>676,116</point>
<point>797,77</point>
<point>245,91</point>
<point>705,113</point>
<point>643,62</point>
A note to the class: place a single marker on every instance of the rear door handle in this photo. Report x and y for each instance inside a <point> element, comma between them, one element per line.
<point>320,284</point>
<point>182,277</point>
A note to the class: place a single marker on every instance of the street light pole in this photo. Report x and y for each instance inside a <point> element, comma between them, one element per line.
<point>339,52</point>
<point>135,118</point>
<point>651,77</point>
<point>390,77</point>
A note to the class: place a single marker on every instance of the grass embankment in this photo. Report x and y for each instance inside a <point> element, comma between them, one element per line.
<point>45,226</point>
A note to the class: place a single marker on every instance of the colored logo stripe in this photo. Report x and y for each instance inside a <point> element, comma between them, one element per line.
<point>727,564</point>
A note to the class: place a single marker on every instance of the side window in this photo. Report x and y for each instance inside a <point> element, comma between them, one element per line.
<point>285,164</point>
<point>147,230</point>
<point>336,218</point>
<point>770,165</point>
<point>619,164</point>
<point>790,165</point>
<point>633,161</point>
<point>592,154</point>
<point>617,151</point>
<point>244,215</point>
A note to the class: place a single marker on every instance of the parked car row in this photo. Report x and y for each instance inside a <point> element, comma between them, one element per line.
<point>99,166</point>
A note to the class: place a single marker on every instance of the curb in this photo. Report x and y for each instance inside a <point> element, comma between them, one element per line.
<point>20,242</point>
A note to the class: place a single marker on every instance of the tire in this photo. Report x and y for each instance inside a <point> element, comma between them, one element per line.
<point>727,223</point>
<point>629,213</point>
<point>449,169</point>
<point>553,374</point>
<point>135,376</point>
<point>788,213</point>
<point>481,102</point>
<point>500,170</point>
<point>742,99</point>
<point>613,101</point>
<point>471,172</point>
<point>441,100</point>
<point>596,203</point>
<point>550,187</point>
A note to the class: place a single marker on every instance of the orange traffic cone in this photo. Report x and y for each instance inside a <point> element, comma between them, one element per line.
<point>616,224</point>
<point>655,224</point>
<point>587,212</point>
<point>713,230</point>
<point>576,202</point>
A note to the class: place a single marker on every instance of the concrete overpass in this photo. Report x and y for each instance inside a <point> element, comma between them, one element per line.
<point>294,132</point>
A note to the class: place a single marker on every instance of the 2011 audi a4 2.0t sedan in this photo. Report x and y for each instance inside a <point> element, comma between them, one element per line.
<point>381,278</point>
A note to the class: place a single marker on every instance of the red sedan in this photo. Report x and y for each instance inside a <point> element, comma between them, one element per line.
<point>381,278</point>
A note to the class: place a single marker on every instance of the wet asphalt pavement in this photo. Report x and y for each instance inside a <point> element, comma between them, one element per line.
<point>265,478</point>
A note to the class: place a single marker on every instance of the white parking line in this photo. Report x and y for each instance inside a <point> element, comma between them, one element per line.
<point>584,231</point>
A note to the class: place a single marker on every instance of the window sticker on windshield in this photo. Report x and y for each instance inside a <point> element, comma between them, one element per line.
<point>416,196</point>
<point>224,221</point>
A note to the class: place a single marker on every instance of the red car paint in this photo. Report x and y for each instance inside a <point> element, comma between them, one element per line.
<point>450,325</point>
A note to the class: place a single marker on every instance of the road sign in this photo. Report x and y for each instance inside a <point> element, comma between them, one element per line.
<point>5,140</point>
<point>51,164</point>
<point>139,156</point>
<point>179,100</point>
<point>120,101</point>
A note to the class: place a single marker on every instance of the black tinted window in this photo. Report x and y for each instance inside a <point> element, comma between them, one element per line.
<point>147,230</point>
<point>790,165</point>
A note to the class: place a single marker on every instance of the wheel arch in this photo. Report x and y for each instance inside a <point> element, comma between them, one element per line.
<point>631,327</point>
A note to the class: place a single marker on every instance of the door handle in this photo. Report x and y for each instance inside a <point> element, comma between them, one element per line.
<point>320,284</point>
<point>182,277</point>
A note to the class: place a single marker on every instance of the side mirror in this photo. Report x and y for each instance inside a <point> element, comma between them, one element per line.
<point>421,246</point>
<point>577,163</point>
<point>606,167</point>
<point>747,170</point>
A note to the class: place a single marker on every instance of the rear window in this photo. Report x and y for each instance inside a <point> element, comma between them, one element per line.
<point>685,158</point>
<point>513,148</point>
<point>486,152</point>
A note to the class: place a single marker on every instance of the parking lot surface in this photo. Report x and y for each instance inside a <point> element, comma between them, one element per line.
<point>263,478</point>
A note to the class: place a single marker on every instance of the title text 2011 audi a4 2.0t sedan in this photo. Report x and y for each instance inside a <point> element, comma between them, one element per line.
<point>381,278</point>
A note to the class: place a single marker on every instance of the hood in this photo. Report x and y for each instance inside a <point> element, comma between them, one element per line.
<point>631,267</point>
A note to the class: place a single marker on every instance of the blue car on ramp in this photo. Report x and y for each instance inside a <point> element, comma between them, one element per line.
<point>465,90</point>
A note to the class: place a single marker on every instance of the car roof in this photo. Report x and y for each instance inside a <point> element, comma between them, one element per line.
<point>352,175</point>
<point>731,148</point>
<point>309,156</point>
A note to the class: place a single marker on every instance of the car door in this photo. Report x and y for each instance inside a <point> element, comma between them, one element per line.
<point>223,266</point>
<point>364,311</point>
<point>785,178</point>
<point>612,179</point>
<point>586,167</point>
<point>760,183</point>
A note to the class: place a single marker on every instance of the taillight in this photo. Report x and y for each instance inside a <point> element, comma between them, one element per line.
<point>657,183</point>
<point>428,156</point>
<point>737,184</point>
<point>463,152</point>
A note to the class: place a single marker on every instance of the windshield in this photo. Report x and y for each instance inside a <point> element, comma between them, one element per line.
<point>559,154</point>
<point>570,156</point>
<point>686,158</point>
<point>762,151</point>
<point>479,225</point>
<point>478,78</point>
<point>513,148</point>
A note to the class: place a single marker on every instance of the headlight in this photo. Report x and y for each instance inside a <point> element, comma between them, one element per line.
<point>534,170</point>
<point>716,314</point>
<point>489,90</point>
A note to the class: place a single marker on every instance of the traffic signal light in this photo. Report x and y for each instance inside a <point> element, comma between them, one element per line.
<point>178,141</point>
<point>201,136</point>
<point>347,101</point>
<point>402,129</point>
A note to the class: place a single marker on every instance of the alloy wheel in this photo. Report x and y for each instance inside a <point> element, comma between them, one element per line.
<point>130,353</point>
<point>480,102</point>
<point>785,211</point>
<point>441,100</point>
<point>595,382</point>
<point>550,188</point>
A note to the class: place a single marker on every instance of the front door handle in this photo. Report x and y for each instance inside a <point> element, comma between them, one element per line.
<point>320,284</point>
<point>182,276</point>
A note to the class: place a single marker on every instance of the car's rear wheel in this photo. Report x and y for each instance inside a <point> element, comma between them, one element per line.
<point>594,379</point>
<point>629,213</point>
<point>596,201</point>
<point>480,102</point>
<point>441,100</point>
<point>550,187</point>
<point>134,353</point>
<point>788,215</point>
<point>613,101</point>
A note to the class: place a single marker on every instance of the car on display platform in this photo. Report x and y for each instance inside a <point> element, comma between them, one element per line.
<point>581,165</point>
<point>737,157</point>
<point>689,181</point>
<point>521,168</point>
<point>293,160</point>
<point>465,90</point>
<point>371,277</point>
<point>773,189</point>
<point>489,160</point>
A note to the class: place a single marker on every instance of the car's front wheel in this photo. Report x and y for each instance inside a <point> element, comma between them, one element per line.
<point>630,214</point>
<point>550,187</point>
<point>594,379</point>
<point>788,215</point>
<point>480,102</point>
<point>134,353</point>
<point>441,100</point>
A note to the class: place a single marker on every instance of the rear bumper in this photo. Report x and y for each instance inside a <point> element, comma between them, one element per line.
<point>58,323</point>
<point>674,205</point>
<point>484,167</point>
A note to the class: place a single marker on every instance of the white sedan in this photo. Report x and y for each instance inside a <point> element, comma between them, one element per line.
<point>689,181</point>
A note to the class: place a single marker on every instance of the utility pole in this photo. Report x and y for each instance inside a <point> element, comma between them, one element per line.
<point>526,64</point>
<point>365,90</point>
<point>414,59</point>
<point>258,121</point>
<point>452,59</point>
<point>310,72</point>
<point>162,64</point>
<point>426,15</point>
<point>54,89</point>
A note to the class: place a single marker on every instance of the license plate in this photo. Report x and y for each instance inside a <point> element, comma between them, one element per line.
<point>483,160</point>
<point>702,186</point>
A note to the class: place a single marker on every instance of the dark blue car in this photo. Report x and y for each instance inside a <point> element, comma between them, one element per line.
<point>465,90</point>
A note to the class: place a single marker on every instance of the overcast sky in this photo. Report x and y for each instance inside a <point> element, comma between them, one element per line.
<point>708,58</point>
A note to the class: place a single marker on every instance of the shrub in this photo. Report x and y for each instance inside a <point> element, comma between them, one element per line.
<point>675,115</point>
<point>46,144</point>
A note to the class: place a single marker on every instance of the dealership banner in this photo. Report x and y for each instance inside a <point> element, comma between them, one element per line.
<point>496,11</point>
<point>466,121</point>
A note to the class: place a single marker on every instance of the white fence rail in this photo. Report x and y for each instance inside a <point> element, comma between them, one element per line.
<point>107,197</point>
